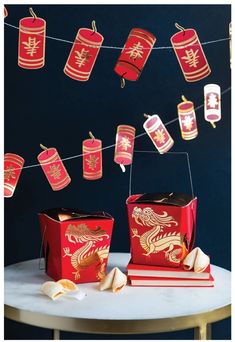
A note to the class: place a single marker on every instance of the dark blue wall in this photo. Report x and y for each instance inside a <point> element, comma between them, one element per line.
<point>45,106</point>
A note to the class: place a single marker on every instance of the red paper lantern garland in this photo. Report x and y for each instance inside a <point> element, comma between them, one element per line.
<point>190,55</point>
<point>134,54</point>
<point>187,119</point>
<point>12,169</point>
<point>31,48</point>
<point>92,158</point>
<point>124,146</point>
<point>53,168</point>
<point>83,53</point>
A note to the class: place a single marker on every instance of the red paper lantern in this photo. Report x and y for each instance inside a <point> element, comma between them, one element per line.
<point>124,147</point>
<point>212,103</point>
<point>5,12</point>
<point>187,119</point>
<point>31,49</point>
<point>53,168</point>
<point>92,158</point>
<point>12,169</point>
<point>158,133</point>
<point>135,53</point>
<point>83,54</point>
<point>190,55</point>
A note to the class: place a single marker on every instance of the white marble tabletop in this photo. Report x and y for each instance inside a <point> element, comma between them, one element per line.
<point>22,291</point>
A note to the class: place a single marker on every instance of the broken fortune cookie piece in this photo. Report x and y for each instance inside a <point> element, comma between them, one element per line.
<point>52,289</point>
<point>115,280</point>
<point>68,285</point>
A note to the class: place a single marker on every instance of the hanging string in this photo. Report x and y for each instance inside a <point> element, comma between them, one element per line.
<point>118,47</point>
<point>113,145</point>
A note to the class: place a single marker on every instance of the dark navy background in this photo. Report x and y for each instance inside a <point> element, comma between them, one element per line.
<point>45,106</point>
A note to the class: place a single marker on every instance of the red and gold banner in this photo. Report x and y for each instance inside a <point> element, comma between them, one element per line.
<point>187,119</point>
<point>83,54</point>
<point>158,133</point>
<point>31,48</point>
<point>53,168</point>
<point>12,169</point>
<point>92,158</point>
<point>212,103</point>
<point>190,55</point>
<point>135,53</point>
<point>124,147</point>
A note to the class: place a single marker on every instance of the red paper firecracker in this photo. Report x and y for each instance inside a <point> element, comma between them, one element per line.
<point>53,168</point>
<point>187,119</point>
<point>134,54</point>
<point>83,53</point>
<point>31,49</point>
<point>12,169</point>
<point>124,147</point>
<point>158,133</point>
<point>190,54</point>
<point>92,158</point>
<point>212,103</point>
<point>5,12</point>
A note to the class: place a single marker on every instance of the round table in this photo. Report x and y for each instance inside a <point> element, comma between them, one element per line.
<point>134,310</point>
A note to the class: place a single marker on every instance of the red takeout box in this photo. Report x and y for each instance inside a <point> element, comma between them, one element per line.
<point>75,243</point>
<point>162,227</point>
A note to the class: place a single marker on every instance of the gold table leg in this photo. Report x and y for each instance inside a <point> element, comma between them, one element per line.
<point>203,332</point>
<point>56,334</point>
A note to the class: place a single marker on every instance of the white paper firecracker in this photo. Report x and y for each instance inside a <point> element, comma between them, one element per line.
<point>212,103</point>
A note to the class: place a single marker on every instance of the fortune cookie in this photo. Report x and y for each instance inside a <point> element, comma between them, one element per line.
<point>67,284</point>
<point>114,280</point>
<point>52,289</point>
<point>197,260</point>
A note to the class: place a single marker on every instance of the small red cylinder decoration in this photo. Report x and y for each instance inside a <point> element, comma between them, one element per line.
<point>12,169</point>
<point>92,158</point>
<point>134,54</point>
<point>83,54</point>
<point>124,147</point>
<point>212,103</point>
<point>158,133</point>
<point>190,55</point>
<point>5,12</point>
<point>187,119</point>
<point>31,49</point>
<point>53,168</point>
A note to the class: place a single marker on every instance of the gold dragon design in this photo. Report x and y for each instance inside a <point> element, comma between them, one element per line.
<point>86,255</point>
<point>152,241</point>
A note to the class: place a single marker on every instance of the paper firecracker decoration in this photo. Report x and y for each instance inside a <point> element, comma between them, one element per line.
<point>230,43</point>
<point>92,158</point>
<point>83,53</point>
<point>187,119</point>
<point>124,146</point>
<point>31,48</point>
<point>190,55</point>
<point>212,103</point>
<point>158,133</point>
<point>12,169</point>
<point>134,54</point>
<point>53,168</point>
<point>5,12</point>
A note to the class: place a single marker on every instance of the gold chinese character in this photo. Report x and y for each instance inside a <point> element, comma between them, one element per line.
<point>125,143</point>
<point>31,46</point>
<point>92,161</point>
<point>188,122</point>
<point>9,173</point>
<point>81,57</point>
<point>191,58</point>
<point>160,136</point>
<point>136,51</point>
<point>55,171</point>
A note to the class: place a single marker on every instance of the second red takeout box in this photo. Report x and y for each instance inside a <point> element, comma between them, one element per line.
<point>162,227</point>
<point>76,243</point>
